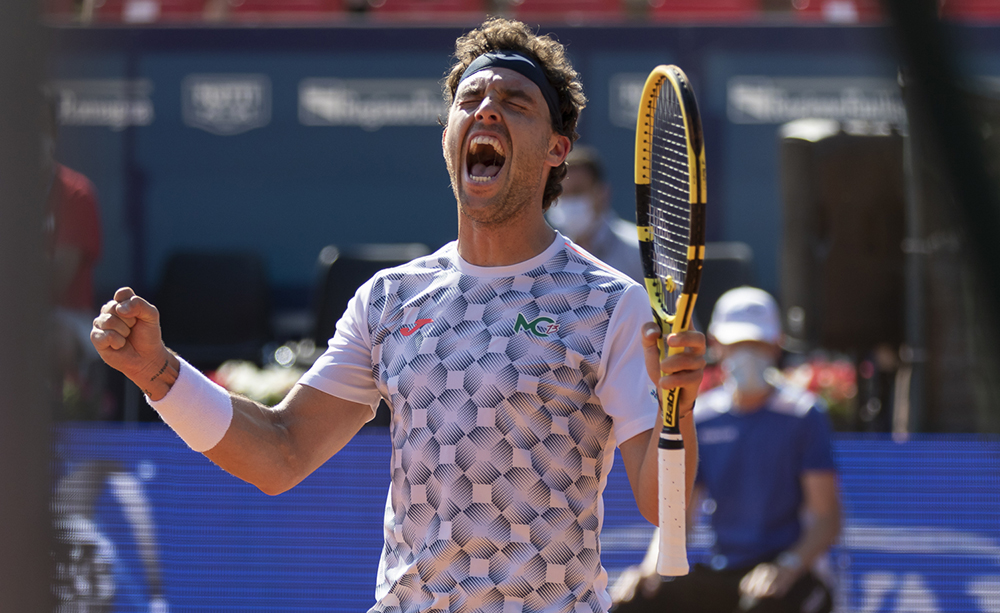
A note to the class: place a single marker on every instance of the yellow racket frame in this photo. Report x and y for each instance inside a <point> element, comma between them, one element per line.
<point>674,77</point>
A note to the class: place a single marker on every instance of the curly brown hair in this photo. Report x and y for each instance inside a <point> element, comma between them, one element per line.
<point>499,34</point>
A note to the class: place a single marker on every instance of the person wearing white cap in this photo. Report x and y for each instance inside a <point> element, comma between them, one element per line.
<point>764,459</point>
<point>746,330</point>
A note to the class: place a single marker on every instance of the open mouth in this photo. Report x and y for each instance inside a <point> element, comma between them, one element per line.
<point>485,158</point>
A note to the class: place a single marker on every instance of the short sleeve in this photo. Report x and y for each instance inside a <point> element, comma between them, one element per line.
<point>625,390</point>
<point>817,448</point>
<point>345,368</point>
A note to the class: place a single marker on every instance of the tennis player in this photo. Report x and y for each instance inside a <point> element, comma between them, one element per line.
<point>513,361</point>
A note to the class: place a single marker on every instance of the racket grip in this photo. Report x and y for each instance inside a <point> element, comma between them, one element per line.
<point>672,560</point>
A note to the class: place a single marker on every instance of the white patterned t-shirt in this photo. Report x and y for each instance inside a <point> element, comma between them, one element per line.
<point>509,389</point>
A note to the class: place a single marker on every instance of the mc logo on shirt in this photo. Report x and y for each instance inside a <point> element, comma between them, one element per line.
<point>541,326</point>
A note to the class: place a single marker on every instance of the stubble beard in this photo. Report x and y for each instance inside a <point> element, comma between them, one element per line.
<point>503,207</point>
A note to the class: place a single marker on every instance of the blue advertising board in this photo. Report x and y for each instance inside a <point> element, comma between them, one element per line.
<point>920,532</point>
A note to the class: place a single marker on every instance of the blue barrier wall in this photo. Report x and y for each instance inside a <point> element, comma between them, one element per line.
<point>921,531</point>
<point>285,140</point>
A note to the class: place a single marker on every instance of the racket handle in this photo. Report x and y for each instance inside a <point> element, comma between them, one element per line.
<point>672,560</point>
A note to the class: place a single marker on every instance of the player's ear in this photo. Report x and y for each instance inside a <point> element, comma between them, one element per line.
<point>559,148</point>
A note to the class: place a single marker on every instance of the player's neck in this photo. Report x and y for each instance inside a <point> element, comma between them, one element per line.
<point>517,240</point>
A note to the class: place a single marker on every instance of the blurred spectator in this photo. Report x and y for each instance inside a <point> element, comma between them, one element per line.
<point>583,213</point>
<point>73,241</point>
<point>88,578</point>
<point>766,480</point>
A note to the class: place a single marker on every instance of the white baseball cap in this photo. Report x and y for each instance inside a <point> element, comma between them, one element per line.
<point>745,314</point>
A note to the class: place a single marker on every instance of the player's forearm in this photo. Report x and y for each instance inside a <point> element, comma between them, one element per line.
<point>276,448</point>
<point>691,511</point>
<point>647,494</point>
<point>251,426</point>
<point>258,448</point>
<point>272,448</point>
<point>646,488</point>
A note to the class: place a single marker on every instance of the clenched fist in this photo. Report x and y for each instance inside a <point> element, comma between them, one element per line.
<point>127,336</point>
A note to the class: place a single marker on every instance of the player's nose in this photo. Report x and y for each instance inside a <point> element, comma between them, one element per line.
<point>487,110</point>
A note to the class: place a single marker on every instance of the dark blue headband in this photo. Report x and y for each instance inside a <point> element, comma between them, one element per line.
<point>524,65</point>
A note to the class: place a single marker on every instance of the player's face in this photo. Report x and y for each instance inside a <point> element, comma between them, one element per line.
<point>499,145</point>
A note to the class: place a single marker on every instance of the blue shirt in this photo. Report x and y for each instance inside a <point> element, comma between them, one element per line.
<point>751,465</point>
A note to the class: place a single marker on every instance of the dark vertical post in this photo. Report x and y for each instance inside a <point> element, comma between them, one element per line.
<point>25,416</point>
<point>942,120</point>
<point>135,215</point>
<point>915,319</point>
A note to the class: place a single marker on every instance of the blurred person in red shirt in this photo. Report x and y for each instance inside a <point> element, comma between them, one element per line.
<point>73,244</point>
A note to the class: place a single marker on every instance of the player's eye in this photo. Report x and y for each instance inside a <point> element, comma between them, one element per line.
<point>469,99</point>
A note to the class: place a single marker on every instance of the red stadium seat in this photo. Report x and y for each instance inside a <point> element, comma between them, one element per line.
<point>569,11</point>
<point>60,9</point>
<point>704,10</point>
<point>420,10</point>
<point>148,11</point>
<point>838,11</point>
<point>971,10</point>
<point>282,10</point>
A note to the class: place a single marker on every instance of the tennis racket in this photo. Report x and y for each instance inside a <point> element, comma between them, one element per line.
<point>670,213</point>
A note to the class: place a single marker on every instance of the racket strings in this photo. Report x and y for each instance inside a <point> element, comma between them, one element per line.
<point>670,192</point>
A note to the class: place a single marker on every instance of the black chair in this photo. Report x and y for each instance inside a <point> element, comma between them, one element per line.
<point>727,265</point>
<point>215,306</point>
<point>342,272</point>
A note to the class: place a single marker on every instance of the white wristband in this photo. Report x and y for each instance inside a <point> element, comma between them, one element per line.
<point>198,409</point>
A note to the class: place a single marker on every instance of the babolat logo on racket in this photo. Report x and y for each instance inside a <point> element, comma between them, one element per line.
<point>541,326</point>
<point>669,413</point>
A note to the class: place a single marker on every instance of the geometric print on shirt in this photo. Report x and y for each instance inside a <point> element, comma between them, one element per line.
<point>500,445</point>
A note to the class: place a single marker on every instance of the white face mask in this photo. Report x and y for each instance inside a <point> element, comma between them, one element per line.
<point>746,369</point>
<point>573,216</point>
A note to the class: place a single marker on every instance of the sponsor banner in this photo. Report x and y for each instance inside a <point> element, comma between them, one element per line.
<point>886,568</point>
<point>920,532</point>
<point>626,89</point>
<point>370,103</point>
<point>759,100</point>
<point>112,103</point>
<point>226,104</point>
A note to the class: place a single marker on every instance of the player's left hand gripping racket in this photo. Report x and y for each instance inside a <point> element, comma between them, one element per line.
<point>670,213</point>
